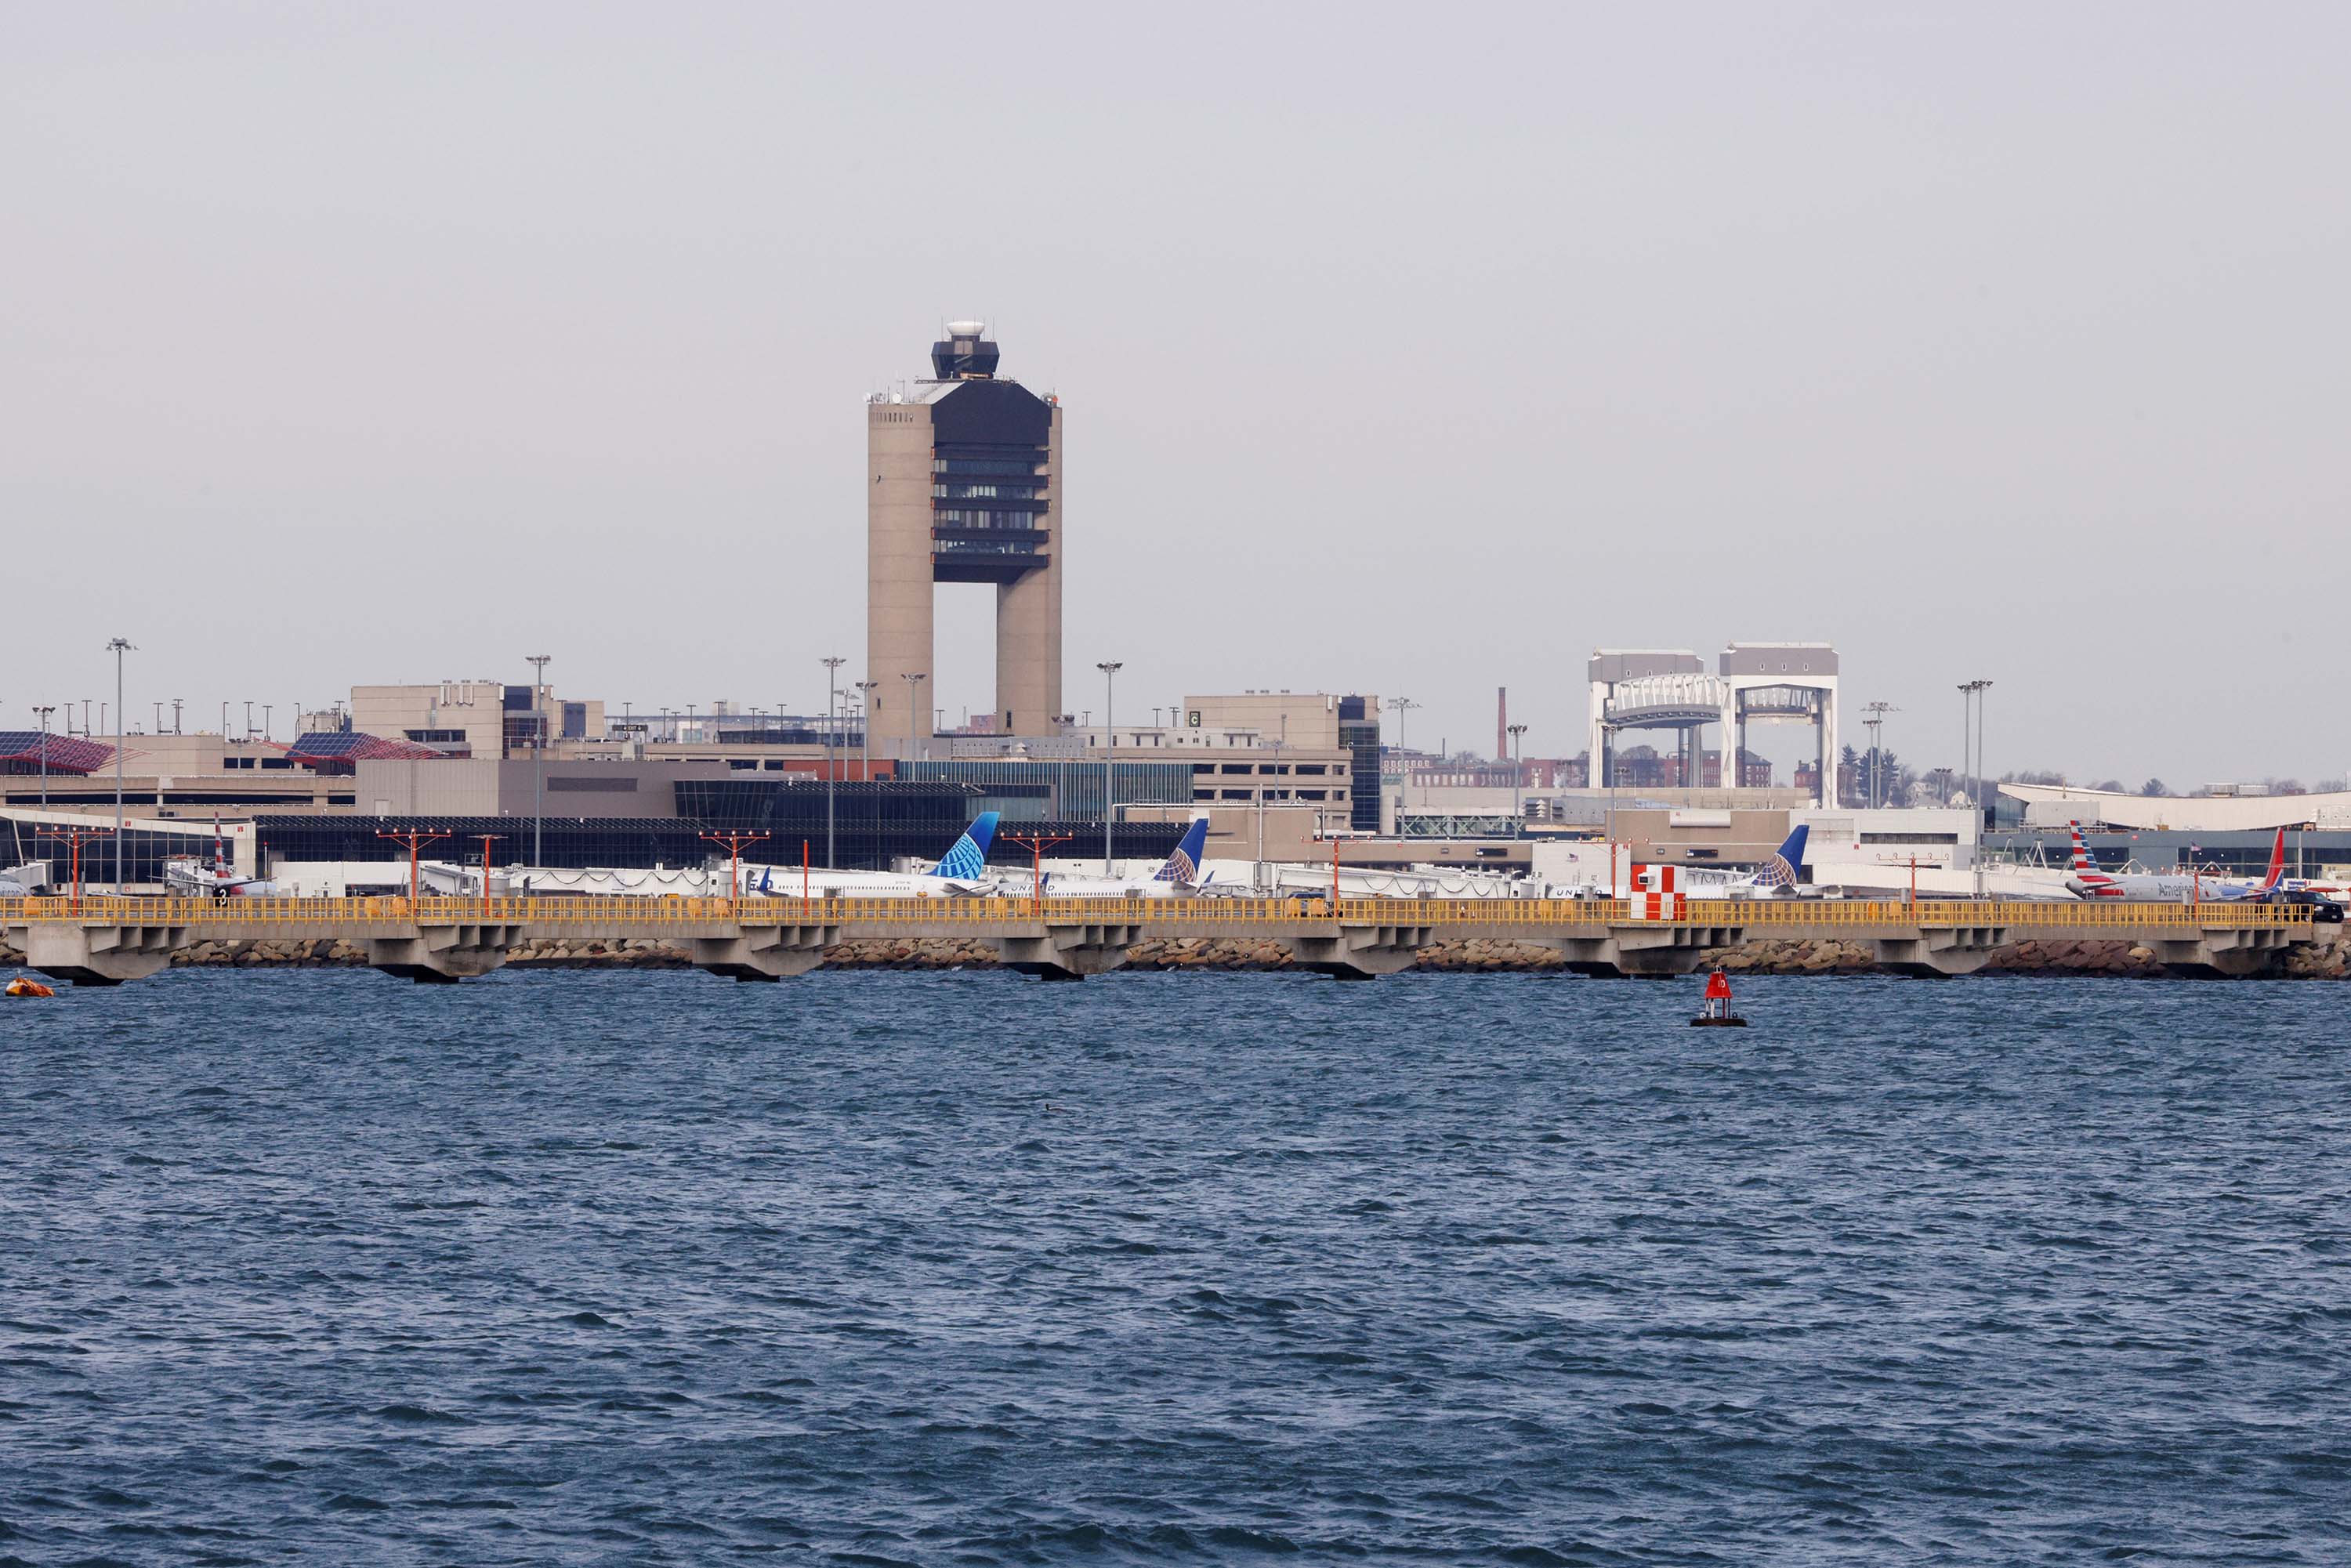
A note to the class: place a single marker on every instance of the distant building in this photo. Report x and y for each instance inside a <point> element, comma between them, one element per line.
<point>474,719</point>
<point>1307,723</point>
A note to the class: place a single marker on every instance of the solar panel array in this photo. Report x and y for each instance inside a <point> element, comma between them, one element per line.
<point>66,754</point>
<point>354,746</point>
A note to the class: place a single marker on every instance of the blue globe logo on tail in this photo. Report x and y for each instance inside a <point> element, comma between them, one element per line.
<point>968,860</point>
<point>1779,871</point>
<point>1184,866</point>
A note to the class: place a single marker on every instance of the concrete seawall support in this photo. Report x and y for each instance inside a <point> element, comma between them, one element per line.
<point>1360,952</point>
<point>1070,952</point>
<point>1644,952</point>
<point>101,955</point>
<point>439,955</point>
<point>765,952</point>
<point>1940,954</point>
<point>2229,955</point>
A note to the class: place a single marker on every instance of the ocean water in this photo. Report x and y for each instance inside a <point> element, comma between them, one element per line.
<point>875,1268</point>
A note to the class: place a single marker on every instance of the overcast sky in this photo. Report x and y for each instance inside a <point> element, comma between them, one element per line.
<point>1408,349</point>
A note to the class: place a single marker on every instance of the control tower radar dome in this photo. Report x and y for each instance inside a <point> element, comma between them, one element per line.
<point>965,354</point>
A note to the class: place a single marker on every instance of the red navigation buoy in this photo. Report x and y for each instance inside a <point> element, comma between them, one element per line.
<point>1717,1013</point>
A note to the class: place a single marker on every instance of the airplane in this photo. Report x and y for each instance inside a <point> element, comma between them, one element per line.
<point>1178,876</point>
<point>1777,877</point>
<point>961,872</point>
<point>189,877</point>
<point>2091,882</point>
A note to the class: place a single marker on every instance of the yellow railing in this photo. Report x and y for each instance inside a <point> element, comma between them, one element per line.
<point>324,915</point>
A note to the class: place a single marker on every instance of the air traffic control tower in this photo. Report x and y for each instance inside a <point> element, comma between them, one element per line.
<point>966,487</point>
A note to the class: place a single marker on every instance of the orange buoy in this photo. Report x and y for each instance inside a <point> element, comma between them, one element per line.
<point>1717,1013</point>
<point>25,986</point>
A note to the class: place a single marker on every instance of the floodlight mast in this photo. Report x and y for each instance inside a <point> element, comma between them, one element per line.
<point>118,647</point>
<point>537,663</point>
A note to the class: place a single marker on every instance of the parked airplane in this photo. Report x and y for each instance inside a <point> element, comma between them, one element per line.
<point>1178,876</point>
<point>961,872</point>
<point>1777,877</point>
<point>2168,888</point>
<point>189,877</point>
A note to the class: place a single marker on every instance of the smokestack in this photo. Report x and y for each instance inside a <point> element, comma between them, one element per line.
<point>1501,724</point>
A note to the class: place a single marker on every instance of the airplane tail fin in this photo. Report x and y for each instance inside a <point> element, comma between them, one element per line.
<point>1184,866</point>
<point>2083,858</point>
<point>969,859</point>
<point>2277,864</point>
<point>1783,870</point>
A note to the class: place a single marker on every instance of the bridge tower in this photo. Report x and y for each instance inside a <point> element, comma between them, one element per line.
<point>964,484</point>
<point>1782,682</point>
<point>1649,689</point>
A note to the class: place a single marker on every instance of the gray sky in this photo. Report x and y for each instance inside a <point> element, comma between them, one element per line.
<point>1410,350</point>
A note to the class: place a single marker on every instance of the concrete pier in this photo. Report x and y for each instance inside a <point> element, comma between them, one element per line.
<point>106,941</point>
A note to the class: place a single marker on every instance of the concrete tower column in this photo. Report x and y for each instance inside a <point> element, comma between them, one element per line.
<point>1029,623</point>
<point>898,615</point>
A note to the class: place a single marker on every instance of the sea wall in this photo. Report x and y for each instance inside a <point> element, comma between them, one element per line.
<point>2328,959</point>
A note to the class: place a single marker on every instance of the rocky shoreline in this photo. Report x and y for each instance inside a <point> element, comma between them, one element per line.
<point>2329,960</point>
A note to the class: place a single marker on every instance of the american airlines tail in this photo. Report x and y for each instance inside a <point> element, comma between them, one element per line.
<point>968,860</point>
<point>2083,858</point>
<point>1183,864</point>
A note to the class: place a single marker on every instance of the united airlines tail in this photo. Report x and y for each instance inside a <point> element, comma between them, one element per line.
<point>1784,869</point>
<point>968,860</point>
<point>1184,866</point>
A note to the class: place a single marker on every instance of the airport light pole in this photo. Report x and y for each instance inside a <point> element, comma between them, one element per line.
<point>914,679</point>
<point>831,714</point>
<point>1875,724</point>
<point>1971,708</point>
<point>865,727</point>
<point>45,713</point>
<point>1110,669</point>
<point>537,663</point>
<point>865,745</point>
<point>1518,781</point>
<point>119,647</point>
<point>1403,707</point>
<point>1981,687</point>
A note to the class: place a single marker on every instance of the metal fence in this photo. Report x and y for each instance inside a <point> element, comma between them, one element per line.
<point>325,915</point>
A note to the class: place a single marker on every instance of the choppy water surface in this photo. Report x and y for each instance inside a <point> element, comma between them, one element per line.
<point>875,1268</point>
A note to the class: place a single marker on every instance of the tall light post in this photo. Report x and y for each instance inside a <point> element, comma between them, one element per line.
<point>865,727</point>
<point>1518,781</point>
<point>914,679</point>
<point>1403,707</point>
<point>1110,668</point>
<point>1973,692</point>
<point>865,744</point>
<point>1981,687</point>
<point>1877,746</point>
<point>537,663</point>
<point>45,713</point>
<point>831,717</point>
<point>118,647</point>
